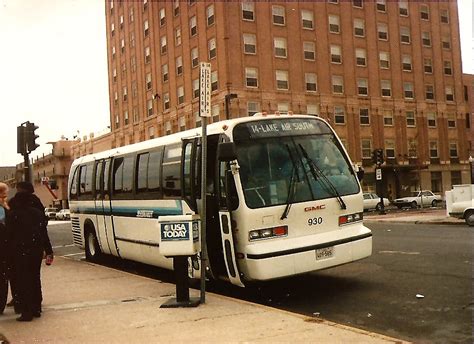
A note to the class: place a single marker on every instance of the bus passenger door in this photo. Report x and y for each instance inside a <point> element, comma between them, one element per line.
<point>190,167</point>
<point>227,201</point>
<point>109,233</point>
<point>101,230</point>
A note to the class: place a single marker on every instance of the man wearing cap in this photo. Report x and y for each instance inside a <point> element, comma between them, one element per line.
<point>28,225</point>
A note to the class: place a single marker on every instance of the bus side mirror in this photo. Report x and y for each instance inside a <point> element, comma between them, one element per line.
<point>226,151</point>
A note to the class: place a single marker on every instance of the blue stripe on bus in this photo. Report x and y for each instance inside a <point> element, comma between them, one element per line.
<point>131,211</point>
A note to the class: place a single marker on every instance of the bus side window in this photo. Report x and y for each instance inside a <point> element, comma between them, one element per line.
<point>142,169</point>
<point>127,185</point>
<point>82,179</point>
<point>117,175</point>
<point>154,171</point>
<point>172,171</point>
<point>73,187</point>
<point>98,179</point>
<point>106,179</point>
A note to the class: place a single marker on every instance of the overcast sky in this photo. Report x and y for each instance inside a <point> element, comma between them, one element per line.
<point>53,69</point>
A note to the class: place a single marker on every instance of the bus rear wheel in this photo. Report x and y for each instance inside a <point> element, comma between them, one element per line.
<point>92,246</point>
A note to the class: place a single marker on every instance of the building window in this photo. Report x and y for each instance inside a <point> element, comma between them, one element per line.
<point>179,65</point>
<point>433,149</point>
<point>251,77</point>
<point>337,84</point>
<point>446,42</point>
<point>429,92</point>
<point>252,108</point>
<point>366,147</point>
<point>311,82</point>
<point>132,39</point>
<point>307,19</point>
<point>405,34</point>
<point>411,119</point>
<point>133,64</point>
<point>408,90</point>
<point>403,8</point>
<point>381,5</point>
<point>436,181</point>
<point>122,46</point>
<point>334,23</point>
<point>283,107</point>
<point>197,119</point>
<point>136,115</point>
<point>364,117</point>
<point>428,65</point>
<point>112,29</point>
<point>431,116</point>
<point>146,28</point>
<point>312,110</point>
<point>250,43</point>
<point>149,107</point>
<point>406,63</point>
<point>195,88</point>
<point>451,120</point>
<point>390,149</point>
<point>456,178</point>
<point>114,75</point>
<point>117,121</point>
<point>444,16</point>
<point>164,72</point>
<point>180,94</point>
<point>362,87</point>
<point>162,17</point>
<point>248,11</point>
<point>210,15</point>
<point>131,15</point>
<point>412,148</point>
<point>447,68</point>
<point>278,14</point>
<point>214,84</point>
<point>449,90</point>
<point>134,89</point>
<point>426,39</point>
<point>359,27</point>
<point>309,51</point>
<point>424,12</point>
<point>125,117</point>
<point>182,123</point>
<point>339,115</point>
<point>280,46</point>
<point>194,57</point>
<point>113,52</point>
<point>177,36</point>
<point>358,3</point>
<point>166,101</point>
<point>387,118</point>
<point>167,128</point>
<point>382,31</point>
<point>215,113</point>
<point>333,1</point>
<point>386,87</point>
<point>361,57</point>
<point>336,54</point>
<point>281,79</point>
<point>211,45</point>
<point>384,58</point>
<point>193,26</point>
<point>176,8</point>
<point>148,81</point>
<point>124,94</point>
<point>147,55</point>
<point>163,45</point>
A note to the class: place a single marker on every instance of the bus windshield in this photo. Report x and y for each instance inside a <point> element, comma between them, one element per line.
<point>280,170</point>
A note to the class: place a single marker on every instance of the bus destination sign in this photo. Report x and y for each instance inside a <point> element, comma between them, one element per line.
<point>271,128</point>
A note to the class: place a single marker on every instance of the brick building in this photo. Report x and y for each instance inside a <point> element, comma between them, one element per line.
<point>385,74</point>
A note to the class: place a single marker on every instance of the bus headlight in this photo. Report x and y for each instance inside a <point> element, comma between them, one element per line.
<point>350,218</point>
<point>268,233</point>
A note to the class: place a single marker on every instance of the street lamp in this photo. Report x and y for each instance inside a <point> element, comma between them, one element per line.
<point>228,98</point>
<point>471,160</point>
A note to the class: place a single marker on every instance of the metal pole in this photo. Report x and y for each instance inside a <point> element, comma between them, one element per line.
<point>26,168</point>
<point>227,101</point>
<point>203,208</point>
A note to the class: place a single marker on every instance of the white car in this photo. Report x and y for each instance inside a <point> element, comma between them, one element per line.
<point>63,214</point>
<point>414,200</point>
<point>50,213</point>
<point>372,201</point>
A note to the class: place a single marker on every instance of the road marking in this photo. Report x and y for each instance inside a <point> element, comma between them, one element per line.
<point>61,246</point>
<point>73,254</point>
<point>399,252</point>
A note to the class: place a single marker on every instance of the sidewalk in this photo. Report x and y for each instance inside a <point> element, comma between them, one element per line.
<point>87,303</point>
<point>426,216</point>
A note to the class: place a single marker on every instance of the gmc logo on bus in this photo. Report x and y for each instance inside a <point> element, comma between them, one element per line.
<point>316,207</point>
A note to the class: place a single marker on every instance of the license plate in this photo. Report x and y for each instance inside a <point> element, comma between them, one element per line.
<point>324,253</point>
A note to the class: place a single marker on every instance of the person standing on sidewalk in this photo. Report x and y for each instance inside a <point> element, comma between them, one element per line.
<point>28,225</point>
<point>4,258</point>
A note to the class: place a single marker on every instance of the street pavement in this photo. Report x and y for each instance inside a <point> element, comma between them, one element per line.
<point>426,216</point>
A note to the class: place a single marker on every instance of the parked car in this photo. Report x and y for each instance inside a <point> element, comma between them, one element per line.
<point>63,214</point>
<point>414,200</point>
<point>372,201</point>
<point>50,213</point>
<point>460,202</point>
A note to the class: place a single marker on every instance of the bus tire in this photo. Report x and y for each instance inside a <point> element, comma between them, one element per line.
<point>93,252</point>
<point>469,217</point>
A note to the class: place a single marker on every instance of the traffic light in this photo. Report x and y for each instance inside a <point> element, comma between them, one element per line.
<point>20,139</point>
<point>30,136</point>
<point>377,157</point>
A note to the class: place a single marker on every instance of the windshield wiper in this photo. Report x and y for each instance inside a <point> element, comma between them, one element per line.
<point>324,181</point>
<point>292,184</point>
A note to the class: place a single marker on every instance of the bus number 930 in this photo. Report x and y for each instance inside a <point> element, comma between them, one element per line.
<point>314,221</point>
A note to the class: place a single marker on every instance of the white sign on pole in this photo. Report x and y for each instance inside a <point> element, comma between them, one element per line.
<point>378,174</point>
<point>205,90</point>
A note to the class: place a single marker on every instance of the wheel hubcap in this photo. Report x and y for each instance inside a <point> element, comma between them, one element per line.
<point>91,242</point>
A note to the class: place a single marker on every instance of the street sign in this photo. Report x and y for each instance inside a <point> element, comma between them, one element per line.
<point>378,174</point>
<point>205,90</point>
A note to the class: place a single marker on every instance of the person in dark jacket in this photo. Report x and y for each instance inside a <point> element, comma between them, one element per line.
<point>27,224</point>
<point>4,261</point>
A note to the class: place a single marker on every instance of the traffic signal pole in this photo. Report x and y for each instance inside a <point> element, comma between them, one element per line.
<point>378,159</point>
<point>26,143</point>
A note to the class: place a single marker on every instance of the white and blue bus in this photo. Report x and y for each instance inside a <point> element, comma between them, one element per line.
<point>283,198</point>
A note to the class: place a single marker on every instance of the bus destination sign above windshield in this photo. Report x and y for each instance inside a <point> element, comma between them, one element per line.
<point>271,128</point>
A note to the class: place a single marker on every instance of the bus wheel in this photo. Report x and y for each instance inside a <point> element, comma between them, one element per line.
<point>469,218</point>
<point>92,246</point>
